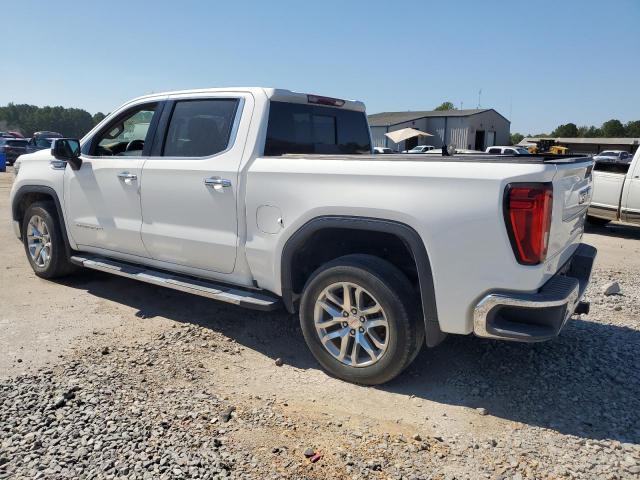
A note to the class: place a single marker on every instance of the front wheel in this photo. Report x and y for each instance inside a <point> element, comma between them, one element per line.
<point>43,241</point>
<point>360,318</point>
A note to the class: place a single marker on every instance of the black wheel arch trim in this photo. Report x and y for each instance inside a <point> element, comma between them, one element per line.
<point>412,239</point>
<point>27,189</point>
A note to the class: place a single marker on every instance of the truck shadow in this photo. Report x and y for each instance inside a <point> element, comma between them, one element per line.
<point>585,383</point>
<point>617,230</point>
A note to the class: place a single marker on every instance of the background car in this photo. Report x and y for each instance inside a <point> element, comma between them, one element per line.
<point>613,156</point>
<point>41,141</point>
<point>385,150</point>
<point>13,148</point>
<point>420,149</point>
<point>507,150</point>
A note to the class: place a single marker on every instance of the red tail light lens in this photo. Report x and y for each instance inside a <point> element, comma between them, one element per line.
<point>528,217</point>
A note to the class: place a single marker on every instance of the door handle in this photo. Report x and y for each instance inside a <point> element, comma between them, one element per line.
<point>128,178</point>
<point>217,183</point>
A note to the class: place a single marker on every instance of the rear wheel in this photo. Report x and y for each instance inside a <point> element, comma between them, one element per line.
<point>360,319</point>
<point>43,241</point>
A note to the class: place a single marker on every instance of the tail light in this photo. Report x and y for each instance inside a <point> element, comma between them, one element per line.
<point>527,211</point>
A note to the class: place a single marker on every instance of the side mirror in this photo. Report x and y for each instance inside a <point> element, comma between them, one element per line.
<point>67,149</point>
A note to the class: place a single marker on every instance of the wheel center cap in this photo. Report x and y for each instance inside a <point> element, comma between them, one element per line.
<point>354,321</point>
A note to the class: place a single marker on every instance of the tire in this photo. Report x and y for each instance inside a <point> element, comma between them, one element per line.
<point>394,344</point>
<point>52,261</point>
<point>597,221</point>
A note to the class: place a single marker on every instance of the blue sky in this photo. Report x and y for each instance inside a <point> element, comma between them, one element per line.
<point>540,63</point>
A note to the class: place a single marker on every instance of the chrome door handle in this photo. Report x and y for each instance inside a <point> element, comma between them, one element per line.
<point>217,183</point>
<point>127,176</point>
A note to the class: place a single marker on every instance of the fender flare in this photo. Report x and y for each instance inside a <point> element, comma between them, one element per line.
<point>408,235</point>
<point>50,192</point>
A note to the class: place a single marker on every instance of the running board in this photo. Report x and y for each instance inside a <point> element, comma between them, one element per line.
<point>224,293</point>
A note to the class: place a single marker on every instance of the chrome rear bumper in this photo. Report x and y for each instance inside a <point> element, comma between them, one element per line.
<point>535,317</point>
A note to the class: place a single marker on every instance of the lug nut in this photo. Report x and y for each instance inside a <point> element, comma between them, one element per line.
<point>361,329</point>
<point>362,319</point>
<point>354,311</point>
<point>353,332</point>
<point>345,314</point>
<point>344,324</point>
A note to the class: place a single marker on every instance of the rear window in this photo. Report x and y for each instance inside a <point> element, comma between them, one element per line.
<point>300,128</point>
<point>17,143</point>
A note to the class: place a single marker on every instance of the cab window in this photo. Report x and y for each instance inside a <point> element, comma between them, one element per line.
<point>200,128</point>
<point>127,135</point>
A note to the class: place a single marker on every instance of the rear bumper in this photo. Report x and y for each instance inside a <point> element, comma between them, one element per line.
<point>535,317</point>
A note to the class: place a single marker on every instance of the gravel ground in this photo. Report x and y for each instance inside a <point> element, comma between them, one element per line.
<point>133,381</point>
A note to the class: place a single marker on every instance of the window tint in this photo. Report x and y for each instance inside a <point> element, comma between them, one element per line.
<point>612,167</point>
<point>495,151</point>
<point>200,128</point>
<point>126,136</point>
<point>302,128</point>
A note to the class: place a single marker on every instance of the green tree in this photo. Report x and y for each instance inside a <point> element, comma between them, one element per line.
<point>567,130</point>
<point>593,132</point>
<point>516,138</point>
<point>27,119</point>
<point>613,128</point>
<point>445,106</point>
<point>632,129</point>
<point>98,117</point>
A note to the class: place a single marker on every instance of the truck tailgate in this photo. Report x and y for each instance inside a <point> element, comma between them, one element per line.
<point>572,190</point>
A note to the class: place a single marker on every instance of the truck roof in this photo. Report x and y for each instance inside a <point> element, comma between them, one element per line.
<point>275,94</point>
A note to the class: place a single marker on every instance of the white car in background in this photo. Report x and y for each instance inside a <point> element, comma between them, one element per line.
<point>420,149</point>
<point>382,150</point>
<point>616,190</point>
<point>508,150</point>
<point>614,156</point>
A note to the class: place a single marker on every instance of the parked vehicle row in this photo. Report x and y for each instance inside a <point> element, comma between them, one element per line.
<point>12,148</point>
<point>282,201</point>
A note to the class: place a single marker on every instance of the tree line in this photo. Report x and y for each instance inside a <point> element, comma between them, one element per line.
<point>27,119</point>
<point>611,129</point>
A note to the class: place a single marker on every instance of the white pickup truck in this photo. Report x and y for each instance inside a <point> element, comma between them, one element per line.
<point>616,190</point>
<point>262,197</point>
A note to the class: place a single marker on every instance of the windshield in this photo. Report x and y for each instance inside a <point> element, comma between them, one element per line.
<point>17,143</point>
<point>608,154</point>
<point>523,151</point>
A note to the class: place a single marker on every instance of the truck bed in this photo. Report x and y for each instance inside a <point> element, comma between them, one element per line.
<point>460,157</point>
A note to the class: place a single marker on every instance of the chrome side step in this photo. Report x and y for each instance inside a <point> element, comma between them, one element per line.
<point>224,293</point>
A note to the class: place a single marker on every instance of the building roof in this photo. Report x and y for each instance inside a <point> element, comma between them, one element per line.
<point>385,119</point>
<point>586,140</point>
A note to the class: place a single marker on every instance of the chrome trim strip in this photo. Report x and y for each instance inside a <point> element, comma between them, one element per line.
<point>223,293</point>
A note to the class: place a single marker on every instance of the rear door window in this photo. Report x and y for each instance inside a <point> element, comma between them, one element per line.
<point>200,128</point>
<point>495,151</point>
<point>302,128</point>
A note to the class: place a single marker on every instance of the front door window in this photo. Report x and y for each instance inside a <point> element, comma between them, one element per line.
<point>127,135</point>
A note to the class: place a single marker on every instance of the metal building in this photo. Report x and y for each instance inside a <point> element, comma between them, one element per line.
<point>474,129</point>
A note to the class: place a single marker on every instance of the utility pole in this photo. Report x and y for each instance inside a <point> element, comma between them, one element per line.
<point>479,97</point>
